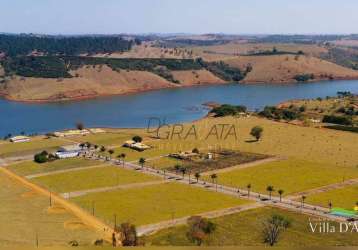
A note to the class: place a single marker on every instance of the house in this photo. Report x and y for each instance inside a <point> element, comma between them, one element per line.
<point>69,151</point>
<point>71,133</point>
<point>136,145</point>
<point>19,138</point>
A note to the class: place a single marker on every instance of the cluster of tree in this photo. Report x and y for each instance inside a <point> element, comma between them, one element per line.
<point>14,45</point>
<point>300,39</point>
<point>350,111</point>
<point>274,51</point>
<point>44,156</point>
<point>342,94</point>
<point>190,42</point>
<point>304,77</point>
<point>59,66</point>
<point>344,128</point>
<point>288,114</point>
<point>228,110</point>
<point>343,57</point>
<point>273,227</point>
<point>341,120</point>
<point>31,66</point>
<point>199,229</point>
<point>224,71</point>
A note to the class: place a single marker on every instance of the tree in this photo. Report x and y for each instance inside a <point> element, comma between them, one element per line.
<point>80,126</point>
<point>111,151</point>
<point>199,229</point>
<point>197,176</point>
<point>103,149</point>
<point>137,139</point>
<point>248,190</point>
<point>177,168</point>
<point>273,227</point>
<point>183,171</point>
<point>270,189</point>
<point>129,234</point>
<point>41,157</point>
<point>123,156</point>
<point>195,151</point>
<point>330,205</point>
<point>303,198</point>
<point>280,192</point>
<point>142,161</point>
<point>257,132</point>
<point>214,177</point>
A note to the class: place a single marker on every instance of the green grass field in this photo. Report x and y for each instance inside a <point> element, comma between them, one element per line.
<point>25,214</point>
<point>290,175</point>
<point>344,198</point>
<point>107,176</point>
<point>245,229</point>
<point>39,143</point>
<point>31,167</point>
<point>155,203</point>
<point>164,163</point>
<point>104,139</point>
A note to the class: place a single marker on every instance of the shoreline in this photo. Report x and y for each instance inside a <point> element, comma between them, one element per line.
<point>138,91</point>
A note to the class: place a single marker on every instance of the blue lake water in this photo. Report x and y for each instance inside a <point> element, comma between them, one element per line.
<point>173,105</point>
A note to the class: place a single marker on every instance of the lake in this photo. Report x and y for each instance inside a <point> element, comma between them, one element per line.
<point>173,105</point>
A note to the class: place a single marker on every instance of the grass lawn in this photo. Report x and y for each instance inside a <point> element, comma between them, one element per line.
<point>24,213</point>
<point>39,143</point>
<point>290,175</point>
<point>155,203</point>
<point>92,178</point>
<point>245,229</point>
<point>31,167</point>
<point>164,163</point>
<point>344,198</point>
<point>105,139</point>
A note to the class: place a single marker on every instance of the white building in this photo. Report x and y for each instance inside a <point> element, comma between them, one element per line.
<point>69,151</point>
<point>20,138</point>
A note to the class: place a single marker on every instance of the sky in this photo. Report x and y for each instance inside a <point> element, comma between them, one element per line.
<point>180,16</point>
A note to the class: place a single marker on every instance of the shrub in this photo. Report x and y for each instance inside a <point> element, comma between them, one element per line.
<point>341,120</point>
<point>228,110</point>
<point>137,138</point>
<point>41,157</point>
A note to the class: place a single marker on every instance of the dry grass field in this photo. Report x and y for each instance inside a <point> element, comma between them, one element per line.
<point>219,52</point>
<point>107,176</point>
<point>292,176</point>
<point>344,198</point>
<point>31,167</point>
<point>38,143</point>
<point>283,68</point>
<point>245,229</point>
<point>155,203</point>
<point>26,215</point>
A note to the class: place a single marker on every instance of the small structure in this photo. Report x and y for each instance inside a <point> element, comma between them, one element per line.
<point>68,151</point>
<point>209,156</point>
<point>187,155</point>
<point>71,133</point>
<point>96,130</point>
<point>19,138</point>
<point>136,145</point>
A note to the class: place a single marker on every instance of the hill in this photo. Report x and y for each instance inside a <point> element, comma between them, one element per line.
<point>285,68</point>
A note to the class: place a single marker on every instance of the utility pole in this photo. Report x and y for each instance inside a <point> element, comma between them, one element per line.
<point>93,208</point>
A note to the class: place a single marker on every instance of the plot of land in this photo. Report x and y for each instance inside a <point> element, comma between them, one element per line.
<point>243,229</point>
<point>104,139</point>
<point>8,149</point>
<point>31,167</point>
<point>92,178</point>
<point>344,198</point>
<point>25,214</point>
<point>289,175</point>
<point>157,203</point>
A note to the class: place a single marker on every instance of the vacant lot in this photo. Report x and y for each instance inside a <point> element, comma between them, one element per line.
<point>92,178</point>
<point>104,139</point>
<point>290,175</point>
<point>31,167</point>
<point>25,214</point>
<point>156,203</point>
<point>8,149</point>
<point>244,229</point>
<point>344,198</point>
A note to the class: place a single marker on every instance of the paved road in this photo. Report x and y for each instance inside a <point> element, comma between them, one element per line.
<point>107,189</point>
